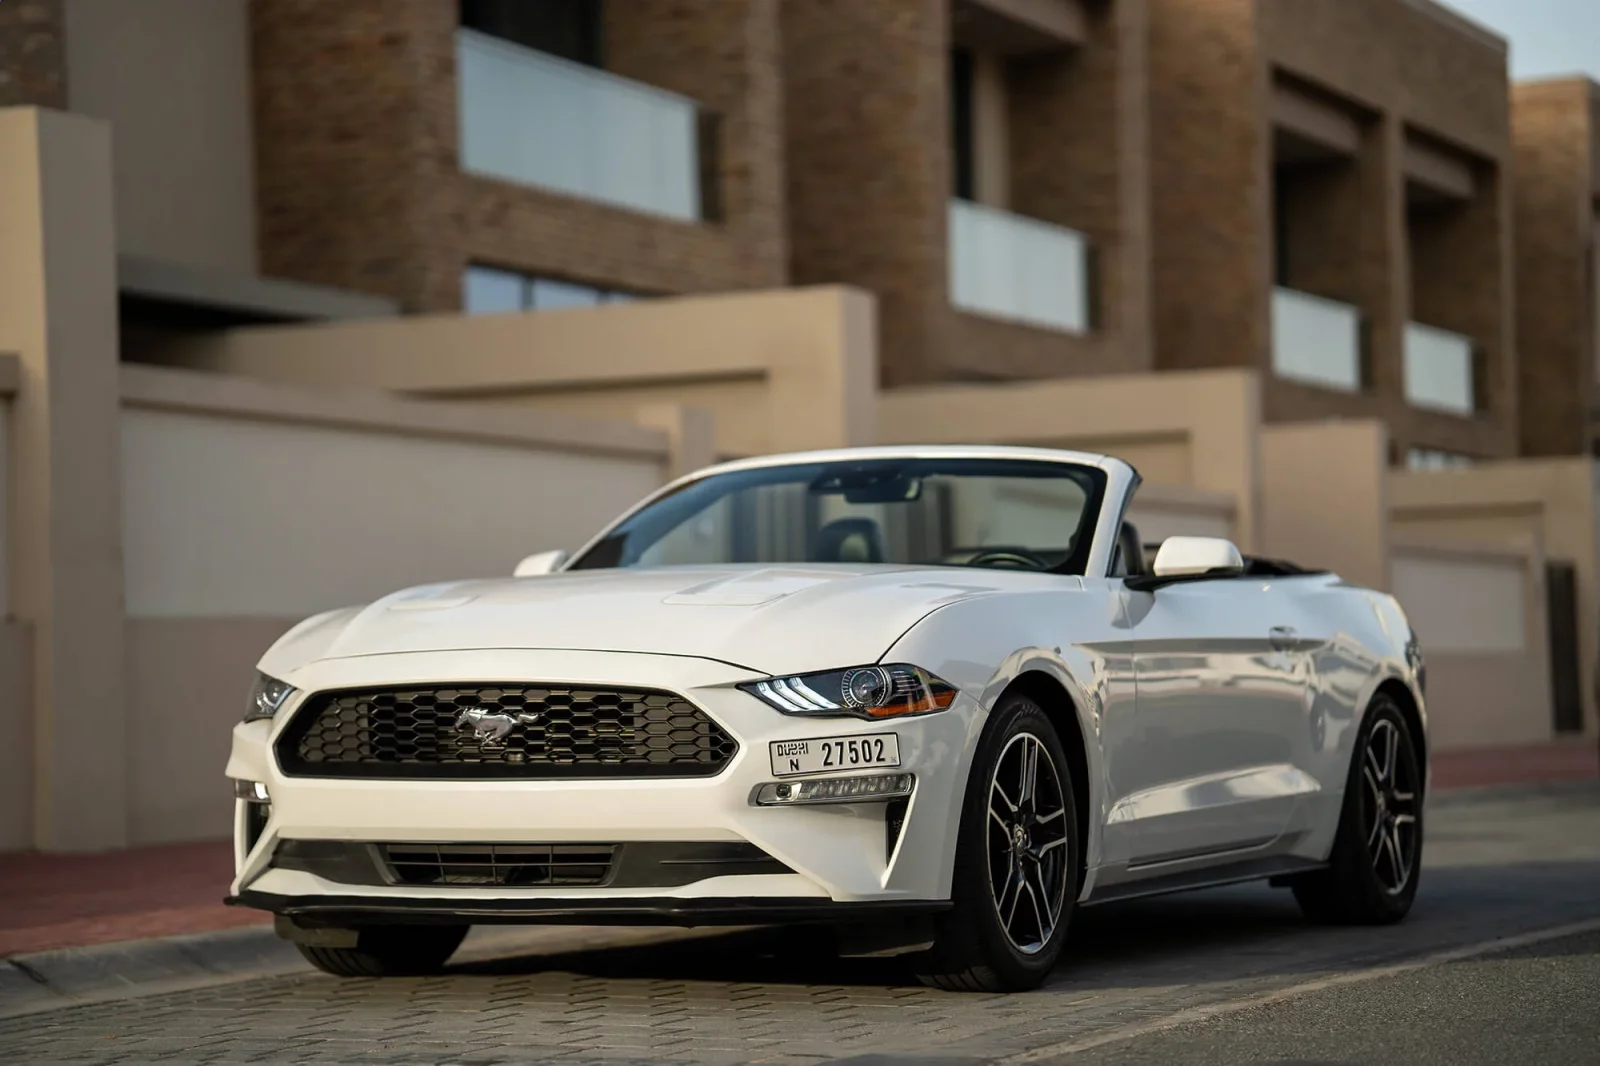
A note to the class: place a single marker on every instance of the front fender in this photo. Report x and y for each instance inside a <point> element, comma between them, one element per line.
<point>983,646</point>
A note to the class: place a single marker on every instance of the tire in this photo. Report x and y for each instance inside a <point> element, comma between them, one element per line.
<point>390,951</point>
<point>974,949</point>
<point>1376,862</point>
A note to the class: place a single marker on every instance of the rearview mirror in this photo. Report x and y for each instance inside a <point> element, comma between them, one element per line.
<point>542,563</point>
<point>1192,556</point>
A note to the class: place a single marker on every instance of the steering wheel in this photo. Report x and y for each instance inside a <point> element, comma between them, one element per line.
<point>1013,556</point>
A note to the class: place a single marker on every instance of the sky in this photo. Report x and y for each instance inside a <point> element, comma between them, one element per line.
<point>1548,37</point>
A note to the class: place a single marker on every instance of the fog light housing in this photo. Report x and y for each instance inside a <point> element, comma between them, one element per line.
<point>251,791</point>
<point>833,790</point>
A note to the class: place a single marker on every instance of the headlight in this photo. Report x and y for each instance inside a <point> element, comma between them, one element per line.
<point>266,698</point>
<point>871,692</point>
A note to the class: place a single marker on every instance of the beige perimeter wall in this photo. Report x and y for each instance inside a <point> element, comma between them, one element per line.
<point>1181,430</point>
<point>1480,613</point>
<point>1545,502</point>
<point>247,507</point>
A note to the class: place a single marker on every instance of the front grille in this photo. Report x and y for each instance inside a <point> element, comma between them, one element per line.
<point>639,864</point>
<point>498,864</point>
<point>504,731</point>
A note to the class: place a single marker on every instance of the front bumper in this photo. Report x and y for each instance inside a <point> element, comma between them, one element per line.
<point>356,910</point>
<point>835,854</point>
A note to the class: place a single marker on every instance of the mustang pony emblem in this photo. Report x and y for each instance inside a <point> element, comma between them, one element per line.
<point>492,726</point>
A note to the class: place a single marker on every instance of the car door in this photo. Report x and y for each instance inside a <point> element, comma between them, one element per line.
<point>1207,766</point>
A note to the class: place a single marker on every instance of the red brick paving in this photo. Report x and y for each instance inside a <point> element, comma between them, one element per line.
<point>61,901</point>
<point>1565,760</point>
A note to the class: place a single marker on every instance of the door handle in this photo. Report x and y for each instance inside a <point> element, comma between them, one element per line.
<point>1282,637</point>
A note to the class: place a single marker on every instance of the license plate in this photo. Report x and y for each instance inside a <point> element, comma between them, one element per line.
<point>790,757</point>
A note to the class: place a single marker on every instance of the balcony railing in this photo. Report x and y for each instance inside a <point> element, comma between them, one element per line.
<point>1007,266</point>
<point>1316,341</point>
<point>538,120</point>
<point>1439,370</point>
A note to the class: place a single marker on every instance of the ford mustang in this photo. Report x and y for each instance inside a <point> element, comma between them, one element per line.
<point>930,699</point>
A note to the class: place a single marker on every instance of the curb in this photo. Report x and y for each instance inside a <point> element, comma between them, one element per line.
<point>49,980</point>
<point>71,977</point>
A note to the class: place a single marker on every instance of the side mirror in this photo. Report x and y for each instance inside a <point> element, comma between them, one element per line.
<point>542,563</point>
<point>1193,556</point>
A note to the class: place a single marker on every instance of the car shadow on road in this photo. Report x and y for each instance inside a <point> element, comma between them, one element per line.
<point>1218,934</point>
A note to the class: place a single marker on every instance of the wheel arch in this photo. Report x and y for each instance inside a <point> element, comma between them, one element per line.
<point>1052,696</point>
<point>1401,694</point>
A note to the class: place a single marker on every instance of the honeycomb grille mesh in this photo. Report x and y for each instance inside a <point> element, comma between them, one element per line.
<point>511,731</point>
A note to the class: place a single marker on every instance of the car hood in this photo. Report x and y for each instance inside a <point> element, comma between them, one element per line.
<point>764,618</point>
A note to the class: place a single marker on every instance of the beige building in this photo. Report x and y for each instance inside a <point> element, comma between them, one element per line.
<point>275,270</point>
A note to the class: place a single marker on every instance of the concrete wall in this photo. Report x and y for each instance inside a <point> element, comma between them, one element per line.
<point>782,371</point>
<point>1480,613</point>
<point>1162,511</point>
<point>249,506</point>
<point>16,755</point>
<point>173,78</point>
<point>1184,430</point>
<point>241,502</point>
<point>58,314</point>
<point>16,706</point>
<point>1324,498</point>
<point>1550,502</point>
<point>8,373</point>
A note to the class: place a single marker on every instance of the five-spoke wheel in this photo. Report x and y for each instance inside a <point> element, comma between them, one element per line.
<point>1372,873</point>
<point>1390,809</point>
<point>1027,842</point>
<point>1017,865</point>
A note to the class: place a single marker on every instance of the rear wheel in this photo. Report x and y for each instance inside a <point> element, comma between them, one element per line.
<point>1372,874</point>
<point>390,951</point>
<point>1016,867</point>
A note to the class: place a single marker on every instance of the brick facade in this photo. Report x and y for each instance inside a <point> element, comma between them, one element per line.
<point>33,61</point>
<point>1556,126</point>
<point>1154,136</point>
<point>360,183</point>
<point>1404,72</point>
<point>869,161</point>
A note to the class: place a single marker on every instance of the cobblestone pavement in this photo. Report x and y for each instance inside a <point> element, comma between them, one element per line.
<point>1496,867</point>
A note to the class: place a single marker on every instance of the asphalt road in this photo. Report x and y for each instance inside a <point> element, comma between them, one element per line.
<point>1228,976</point>
<point>1538,1004</point>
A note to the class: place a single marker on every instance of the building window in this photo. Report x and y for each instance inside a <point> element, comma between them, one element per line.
<point>1434,459</point>
<point>963,152</point>
<point>487,291</point>
<point>570,29</point>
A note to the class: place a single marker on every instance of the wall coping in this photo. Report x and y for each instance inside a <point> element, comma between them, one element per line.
<point>1460,23</point>
<point>208,393</point>
<point>10,374</point>
<point>1524,550</point>
<point>1185,498</point>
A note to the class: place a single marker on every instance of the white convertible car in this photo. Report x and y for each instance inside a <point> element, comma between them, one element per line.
<point>932,698</point>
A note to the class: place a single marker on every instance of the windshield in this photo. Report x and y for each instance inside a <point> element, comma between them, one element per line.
<point>1017,514</point>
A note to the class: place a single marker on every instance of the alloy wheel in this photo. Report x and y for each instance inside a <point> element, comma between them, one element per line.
<point>1390,806</point>
<point>1027,843</point>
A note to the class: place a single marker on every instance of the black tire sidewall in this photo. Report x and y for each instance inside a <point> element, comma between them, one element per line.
<point>1353,866</point>
<point>975,913</point>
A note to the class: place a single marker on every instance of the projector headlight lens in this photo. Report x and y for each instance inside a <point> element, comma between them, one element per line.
<point>871,692</point>
<point>268,695</point>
